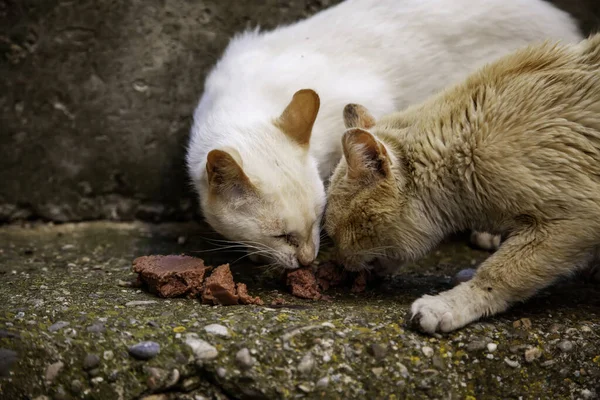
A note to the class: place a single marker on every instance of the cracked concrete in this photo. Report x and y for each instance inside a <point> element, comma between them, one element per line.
<point>69,315</point>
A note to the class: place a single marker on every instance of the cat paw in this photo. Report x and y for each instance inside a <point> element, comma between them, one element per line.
<point>432,314</point>
<point>485,241</point>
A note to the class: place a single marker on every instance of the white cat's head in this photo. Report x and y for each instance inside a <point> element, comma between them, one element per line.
<point>266,193</point>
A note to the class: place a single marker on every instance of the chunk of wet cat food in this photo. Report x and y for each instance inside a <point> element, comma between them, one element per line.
<point>220,288</point>
<point>330,274</point>
<point>360,282</point>
<point>463,275</point>
<point>244,297</point>
<point>303,283</point>
<point>172,275</point>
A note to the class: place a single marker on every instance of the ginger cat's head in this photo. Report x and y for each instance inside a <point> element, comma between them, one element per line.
<point>268,195</point>
<point>372,210</point>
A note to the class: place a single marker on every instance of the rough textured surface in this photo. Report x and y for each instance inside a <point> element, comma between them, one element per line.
<point>356,346</point>
<point>96,99</point>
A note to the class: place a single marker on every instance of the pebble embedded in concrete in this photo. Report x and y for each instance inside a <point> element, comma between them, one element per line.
<point>244,359</point>
<point>144,350</point>
<point>202,349</point>
<point>217,329</point>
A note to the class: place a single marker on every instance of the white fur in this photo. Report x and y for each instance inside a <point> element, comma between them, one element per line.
<point>384,54</point>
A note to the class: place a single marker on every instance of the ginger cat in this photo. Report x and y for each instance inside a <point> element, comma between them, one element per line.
<point>513,150</point>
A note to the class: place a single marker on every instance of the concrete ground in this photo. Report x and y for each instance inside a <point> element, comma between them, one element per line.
<point>68,317</point>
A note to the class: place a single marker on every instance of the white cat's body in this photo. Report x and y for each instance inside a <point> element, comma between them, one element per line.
<point>384,54</point>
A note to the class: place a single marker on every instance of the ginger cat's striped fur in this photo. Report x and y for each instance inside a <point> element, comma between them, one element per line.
<point>513,150</point>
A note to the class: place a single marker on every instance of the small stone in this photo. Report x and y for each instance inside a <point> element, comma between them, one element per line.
<point>438,362</point>
<point>191,383</point>
<point>181,240</point>
<point>378,351</point>
<point>585,328</point>
<point>91,361</point>
<point>108,355</point>
<point>512,363</point>
<point>144,350</point>
<point>305,388</point>
<point>140,303</point>
<point>53,370</point>
<point>76,387</point>
<point>57,326</point>
<point>179,329</point>
<point>524,323</point>
<point>427,351</point>
<point>7,360</point>
<point>98,327</point>
<point>221,372</point>
<point>97,380</point>
<point>463,275</point>
<point>492,347</point>
<point>532,354</point>
<point>403,370</point>
<point>476,345</point>
<point>587,394</point>
<point>68,246</point>
<point>202,349</point>
<point>244,359</point>
<point>377,371</point>
<point>123,283</point>
<point>306,364</point>
<point>565,345</point>
<point>323,382</point>
<point>216,329</point>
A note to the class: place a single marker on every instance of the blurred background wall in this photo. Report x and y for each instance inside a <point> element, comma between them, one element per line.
<point>96,98</point>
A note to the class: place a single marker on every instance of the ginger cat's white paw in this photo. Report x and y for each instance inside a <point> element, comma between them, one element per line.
<point>432,314</point>
<point>485,241</point>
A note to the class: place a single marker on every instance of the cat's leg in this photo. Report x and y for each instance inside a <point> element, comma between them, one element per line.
<point>485,241</point>
<point>524,264</point>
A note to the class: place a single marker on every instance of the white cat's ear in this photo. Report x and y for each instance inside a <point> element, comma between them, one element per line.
<point>366,157</point>
<point>357,116</point>
<point>299,116</point>
<point>225,175</point>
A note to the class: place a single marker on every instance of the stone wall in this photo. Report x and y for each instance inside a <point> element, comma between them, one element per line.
<point>96,98</point>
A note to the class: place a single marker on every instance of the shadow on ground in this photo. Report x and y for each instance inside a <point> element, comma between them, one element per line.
<point>68,317</point>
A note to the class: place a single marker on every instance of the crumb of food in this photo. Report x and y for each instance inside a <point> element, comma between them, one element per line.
<point>244,297</point>
<point>172,275</point>
<point>279,301</point>
<point>330,274</point>
<point>360,282</point>
<point>303,283</point>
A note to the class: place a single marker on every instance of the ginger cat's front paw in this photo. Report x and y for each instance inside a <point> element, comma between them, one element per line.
<point>449,310</point>
<point>485,241</point>
<point>432,314</point>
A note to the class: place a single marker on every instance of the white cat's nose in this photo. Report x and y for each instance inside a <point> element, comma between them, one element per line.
<point>305,261</point>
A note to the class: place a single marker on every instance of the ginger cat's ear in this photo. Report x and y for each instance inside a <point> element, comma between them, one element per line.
<point>366,157</point>
<point>357,116</point>
<point>299,116</point>
<point>225,175</point>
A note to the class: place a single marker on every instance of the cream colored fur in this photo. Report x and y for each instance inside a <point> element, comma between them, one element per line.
<point>386,54</point>
<point>513,150</point>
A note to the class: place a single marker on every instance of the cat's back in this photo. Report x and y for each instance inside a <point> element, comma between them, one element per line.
<point>534,119</point>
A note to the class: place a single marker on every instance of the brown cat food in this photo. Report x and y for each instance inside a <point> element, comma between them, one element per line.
<point>330,274</point>
<point>175,276</point>
<point>303,283</point>
<point>244,297</point>
<point>360,282</point>
<point>171,276</point>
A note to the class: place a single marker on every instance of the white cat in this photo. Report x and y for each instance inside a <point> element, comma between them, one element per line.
<point>260,171</point>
